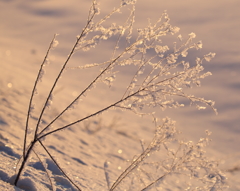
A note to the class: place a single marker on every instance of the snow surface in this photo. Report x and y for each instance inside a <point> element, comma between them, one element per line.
<point>26,28</point>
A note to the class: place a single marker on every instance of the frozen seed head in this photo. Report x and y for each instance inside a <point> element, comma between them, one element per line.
<point>192,35</point>
<point>198,45</point>
<point>54,42</point>
<point>209,57</point>
<point>180,37</point>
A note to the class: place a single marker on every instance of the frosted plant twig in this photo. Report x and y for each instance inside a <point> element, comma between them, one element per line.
<point>33,92</point>
<point>90,17</point>
<point>146,88</point>
<point>49,154</point>
<point>86,89</point>
<point>165,136</point>
<point>190,157</point>
<point>88,28</point>
<point>76,47</point>
<point>26,154</point>
<point>158,78</point>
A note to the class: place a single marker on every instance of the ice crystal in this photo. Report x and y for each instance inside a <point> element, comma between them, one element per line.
<point>41,74</point>
<point>161,49</point>
<point>50,101</point>
<point>180,37</point>
<point>192,35</point>
<point>199,45</point>
<point>184,53</point>
<point>209,56</point>
<point>54,42</point>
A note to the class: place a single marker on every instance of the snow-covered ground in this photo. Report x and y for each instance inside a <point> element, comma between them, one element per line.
<point>26,28</point>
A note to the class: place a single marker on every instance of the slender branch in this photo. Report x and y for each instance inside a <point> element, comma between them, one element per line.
<point>24,162</point>
<point>32,95</point>
<point>134,164</point>
<point>53,87</point>
<point>26,154</point>
<point>130,168</point>
<point>89,116</point>
<point>154,182</point>
<point>91,84</point>
<point>136,74</point>
<point>82,93</point>
<point>58,165</point>
<point>106,108</point>
<point>60,73</point>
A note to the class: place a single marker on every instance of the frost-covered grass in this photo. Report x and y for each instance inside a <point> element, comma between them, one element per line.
<point>161,76</point>
<point>156,82</point>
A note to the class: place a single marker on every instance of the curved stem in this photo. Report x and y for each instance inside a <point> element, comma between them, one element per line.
<point>61,71</point>
<point>82,93</point>
<point>106,108</point>
<point>89,116</point>
<point>32,95</point>
<point>58,165</point>
<point>24,162</point>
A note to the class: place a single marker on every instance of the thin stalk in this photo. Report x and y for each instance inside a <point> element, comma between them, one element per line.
<point>60,73</point>
<point>154,182</point>
<point>71,53</point>
<point>82,93</point>
<point>136,74</point>
<point>32,95</point>
<point>58,165</point>
<point>130,168</point>
<point>89,116</point>
<point>164,175</point>
<point>104,109</point>
<point>53,87</point>
<point>91,84</point>
<point>24,162</point>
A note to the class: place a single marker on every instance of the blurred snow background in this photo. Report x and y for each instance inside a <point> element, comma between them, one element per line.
<point>26,28</point>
